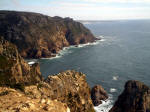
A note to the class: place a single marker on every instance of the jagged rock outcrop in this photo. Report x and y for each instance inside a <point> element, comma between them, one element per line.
<point>65,92</point>
<point>98,94</point>
<point>13,68</point>
<point>37,35</point>
<point>135,98</point>
<point>70,87</point>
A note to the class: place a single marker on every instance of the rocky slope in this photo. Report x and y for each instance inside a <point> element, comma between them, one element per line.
<point>12,100</point>
<point>65,92</point>
<point>37,35</point>
<point>13,68</point>
<point>135,98</point>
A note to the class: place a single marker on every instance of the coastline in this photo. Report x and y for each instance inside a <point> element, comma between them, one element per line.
<point>65,50</point>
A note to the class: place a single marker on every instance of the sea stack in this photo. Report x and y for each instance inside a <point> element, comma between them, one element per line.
<point>98,94</point>
<point>135,98</point>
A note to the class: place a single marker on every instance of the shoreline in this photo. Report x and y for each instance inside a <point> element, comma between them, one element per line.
<point>65,49</point>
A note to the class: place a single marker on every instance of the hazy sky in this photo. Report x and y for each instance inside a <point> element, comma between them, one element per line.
<point>83,9</point>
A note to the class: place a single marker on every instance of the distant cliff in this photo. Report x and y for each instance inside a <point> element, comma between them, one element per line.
<point>37,35</point>
<point>135,98</point>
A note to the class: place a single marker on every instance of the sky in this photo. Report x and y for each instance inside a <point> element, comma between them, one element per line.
<point>83,9</point>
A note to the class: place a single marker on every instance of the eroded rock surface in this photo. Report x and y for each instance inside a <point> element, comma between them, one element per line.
<point>98,94</point>
<point>13,68</point>
<point>12,100</point>
<point>71,88</point>
<point>65,92</point>
<point>135,98</point>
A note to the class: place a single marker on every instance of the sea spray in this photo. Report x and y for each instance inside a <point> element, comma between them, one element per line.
<point>106,105</point>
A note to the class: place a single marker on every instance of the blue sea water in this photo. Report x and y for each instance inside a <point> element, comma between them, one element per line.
<point>123,54</point>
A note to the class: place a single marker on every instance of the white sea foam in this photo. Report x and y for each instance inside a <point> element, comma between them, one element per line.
<point>112,90</point>
<point>105,106</point>
<point>66,50</point>
<point>115,77</point>
<point>31,62</point>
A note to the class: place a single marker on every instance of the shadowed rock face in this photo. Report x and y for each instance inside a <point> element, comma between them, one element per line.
<point>135,98</point>
<point>97,94</point>
<point>13,68</point>
<point>37,35</point>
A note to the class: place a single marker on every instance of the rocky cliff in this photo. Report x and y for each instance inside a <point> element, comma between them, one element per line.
<point>135,98</point>
<point>13,68</point>
<point>70,87</point>
<point>65,92</point>
<point>23,89</point>
<point>37,35</point>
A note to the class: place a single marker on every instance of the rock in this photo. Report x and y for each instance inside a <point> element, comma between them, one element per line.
<point>11,102</point>
<point>14,70</point>
<point>71,88</point>
<point>37,35</point>
<point>97,94</point>
<point>65,92</point>
<point>134,98</point>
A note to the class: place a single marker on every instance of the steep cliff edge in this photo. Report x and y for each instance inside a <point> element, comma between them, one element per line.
<point>37,35</point>
<point>13,68</point>
<point>65,92</point>
<point>135,98</point>
<point>70,87</point>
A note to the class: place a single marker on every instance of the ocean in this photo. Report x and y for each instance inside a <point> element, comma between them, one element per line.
<point>122,54</point>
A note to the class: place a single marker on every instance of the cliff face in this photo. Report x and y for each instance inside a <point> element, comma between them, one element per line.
<point>135,98</point>
<point>65,92</point>
<point>37,35</point>
<point>70,87</point>
<point>13,69</point>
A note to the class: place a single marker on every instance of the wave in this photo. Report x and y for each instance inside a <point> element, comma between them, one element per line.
<point>106,105</point>
<point>67,50</point>
<point>31,61</point>
<point>113,90</point>
<point>115,78</point>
